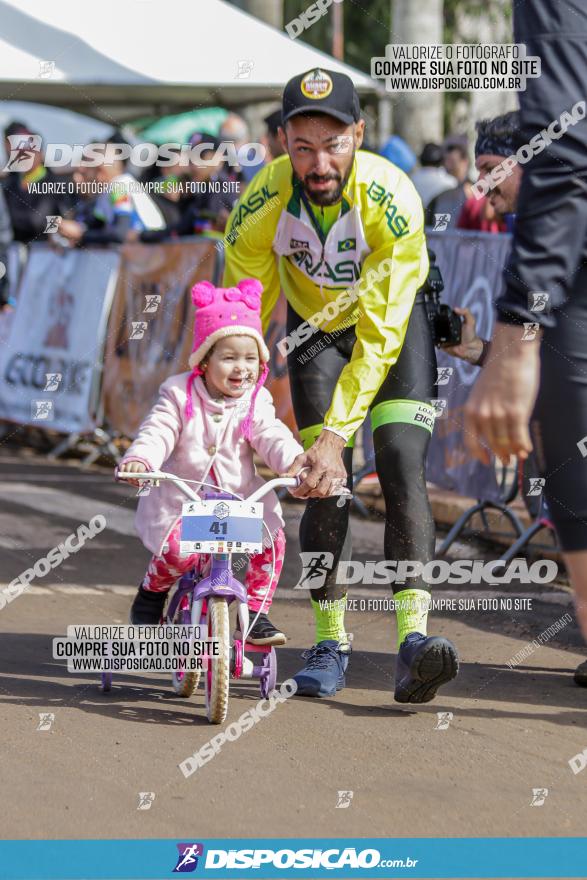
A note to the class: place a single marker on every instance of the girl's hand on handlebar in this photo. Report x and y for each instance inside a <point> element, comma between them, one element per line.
<point>133,466</point>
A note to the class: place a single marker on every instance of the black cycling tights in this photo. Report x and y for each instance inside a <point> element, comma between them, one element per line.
<point>559,423</point>
<point>400,446</point>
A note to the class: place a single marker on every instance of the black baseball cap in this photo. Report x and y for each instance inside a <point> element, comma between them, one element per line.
<point>321,91</point>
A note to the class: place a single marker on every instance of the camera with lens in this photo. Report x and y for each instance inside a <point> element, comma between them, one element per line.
<point>444,322</point>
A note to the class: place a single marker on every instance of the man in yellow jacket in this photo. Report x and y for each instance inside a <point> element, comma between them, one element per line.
<point>341,231</point>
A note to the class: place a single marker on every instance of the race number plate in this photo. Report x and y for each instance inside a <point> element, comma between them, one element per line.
<point>219,526</point>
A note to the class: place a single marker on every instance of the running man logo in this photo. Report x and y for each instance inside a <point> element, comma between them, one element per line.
<point>439,406</point>
<point>42,410</point>
<point>536,486</point>
<point>344,800</point>
<point>22,151</point>
<point>539,795</point>
<point>316,565</point>
<point>138,330</point>
<point>46,719</point>
<point>530,331</point>
<point>46,69</point>
<point>146,798</point>
<point>441,222</point>
<point>52,222</point>
<point>343,144</point>
<point>244,68</point>
<point>53,380</point>
<point>538,301</point>
<point>152,301</point>
<point>187,860</point>
<point>444,719</point>
<point>443,375</point>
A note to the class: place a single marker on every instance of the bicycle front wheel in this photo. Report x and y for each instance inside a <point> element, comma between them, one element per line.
<point>218,671</point>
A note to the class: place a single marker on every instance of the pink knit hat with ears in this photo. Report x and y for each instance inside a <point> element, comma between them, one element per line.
<point>222,312</point>
<point>226,311</point>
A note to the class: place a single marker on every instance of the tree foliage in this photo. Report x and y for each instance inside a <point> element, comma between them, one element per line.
<point>367,25</point>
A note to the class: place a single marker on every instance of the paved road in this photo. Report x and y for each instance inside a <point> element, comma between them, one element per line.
<point>512,730</point>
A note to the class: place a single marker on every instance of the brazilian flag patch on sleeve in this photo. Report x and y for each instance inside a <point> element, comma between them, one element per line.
<point>348,244</point>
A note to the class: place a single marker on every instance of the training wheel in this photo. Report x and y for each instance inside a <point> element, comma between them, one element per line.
<point>106,681</point>
<point>268,678</point>
<point>184,683</point>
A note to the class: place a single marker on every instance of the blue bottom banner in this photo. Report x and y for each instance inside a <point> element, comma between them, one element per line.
<point>293,857</point>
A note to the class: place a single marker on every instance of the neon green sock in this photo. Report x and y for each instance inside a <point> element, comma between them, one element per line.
<point>411,611</point>
<point>329,618</point>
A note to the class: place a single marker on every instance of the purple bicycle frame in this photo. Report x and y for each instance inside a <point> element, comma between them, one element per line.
<point>220,582</point>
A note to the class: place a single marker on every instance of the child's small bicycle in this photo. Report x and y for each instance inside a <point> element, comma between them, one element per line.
<point>220,524</point>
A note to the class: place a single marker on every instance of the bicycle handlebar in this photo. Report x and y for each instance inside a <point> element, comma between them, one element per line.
<point>157,476</point>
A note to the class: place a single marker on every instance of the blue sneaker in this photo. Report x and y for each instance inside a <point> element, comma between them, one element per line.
<point>423,664</point>
<point>323,674</point>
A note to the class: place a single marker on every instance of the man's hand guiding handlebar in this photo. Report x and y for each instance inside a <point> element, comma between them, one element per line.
<point>327,472</point>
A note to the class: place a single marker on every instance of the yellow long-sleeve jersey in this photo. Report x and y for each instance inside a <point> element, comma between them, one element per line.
<point>376,248</point>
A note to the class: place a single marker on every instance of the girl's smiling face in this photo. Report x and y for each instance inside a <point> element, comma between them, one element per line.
<point>232,367</point>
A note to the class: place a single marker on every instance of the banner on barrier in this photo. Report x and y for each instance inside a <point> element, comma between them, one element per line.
<point>472,268</point>
<point>49,363</point>
<point>151,325</point>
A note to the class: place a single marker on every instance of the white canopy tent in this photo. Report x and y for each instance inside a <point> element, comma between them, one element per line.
<point>126,58</point>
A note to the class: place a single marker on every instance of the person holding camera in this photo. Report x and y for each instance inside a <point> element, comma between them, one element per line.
<point>341,231</point>
<point>497,140</point>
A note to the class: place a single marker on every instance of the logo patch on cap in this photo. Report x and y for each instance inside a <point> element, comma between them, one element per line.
<point>316,85</point>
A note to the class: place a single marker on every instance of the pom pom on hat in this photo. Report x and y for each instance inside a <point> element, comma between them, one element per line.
<point>203,293</point>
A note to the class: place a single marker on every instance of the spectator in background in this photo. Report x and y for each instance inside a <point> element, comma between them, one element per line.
<point>270,139</point>
<point>28,209</point>
<point>235,129</point>
<point>5,239</point>
<point>399,153</point>
<point>12,128</point>
<point>431,178</point>
<point>449,204</point>
<point>479,215</point>
<point>495,141</point>
<point>456,158</point>
<point>214,190</point>
<point>170,194</point>
<point>205,209</point>
<point>121,208</point>
<point>220,186</point>
<point>85,200</point>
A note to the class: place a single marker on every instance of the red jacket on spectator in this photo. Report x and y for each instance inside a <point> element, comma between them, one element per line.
<point>477,215</point>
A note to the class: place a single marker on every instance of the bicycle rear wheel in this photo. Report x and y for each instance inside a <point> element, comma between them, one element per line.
<point>218,671</point>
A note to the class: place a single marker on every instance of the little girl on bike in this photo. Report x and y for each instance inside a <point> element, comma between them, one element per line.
<point>205,426</point>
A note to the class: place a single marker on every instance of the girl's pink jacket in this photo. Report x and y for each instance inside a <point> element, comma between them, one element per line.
<point>167,441</point>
